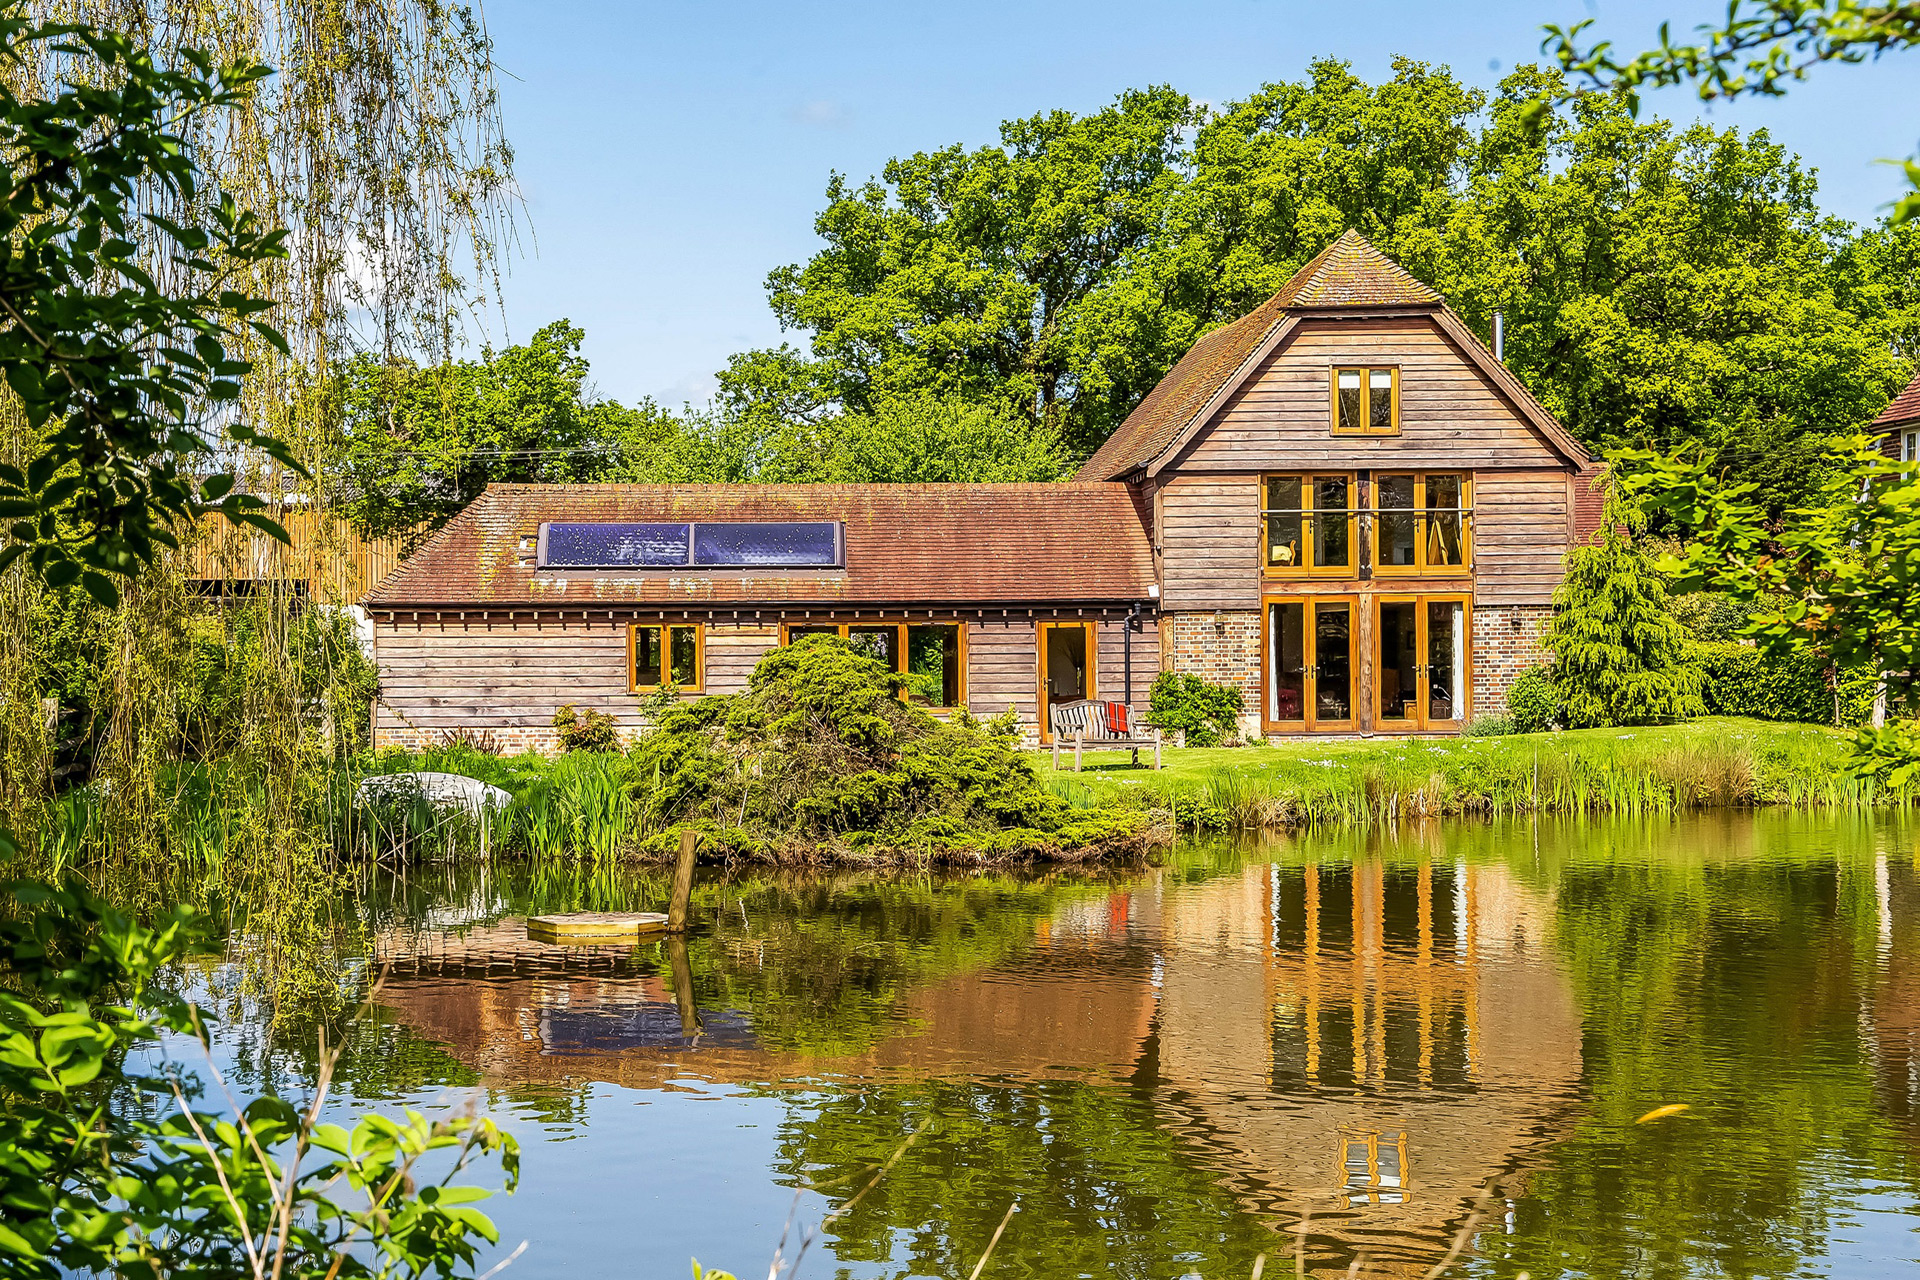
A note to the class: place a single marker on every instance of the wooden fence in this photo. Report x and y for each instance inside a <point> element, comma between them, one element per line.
<point>328,560</point>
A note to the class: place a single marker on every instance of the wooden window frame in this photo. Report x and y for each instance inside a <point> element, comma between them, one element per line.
<point>1310,721</point>
<point>1366,382</point>
<point>900,646</point>
<point>1910,445</point>
<point>1420,568</point>
<point>1351,569</point>
<point>1463,698</point>
<point>634,629</point>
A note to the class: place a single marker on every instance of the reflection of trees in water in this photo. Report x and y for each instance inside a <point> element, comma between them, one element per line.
<point>1102,1188</point>
<point>1765,970</point>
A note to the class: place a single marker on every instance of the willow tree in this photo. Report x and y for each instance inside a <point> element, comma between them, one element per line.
<point>377,145</point>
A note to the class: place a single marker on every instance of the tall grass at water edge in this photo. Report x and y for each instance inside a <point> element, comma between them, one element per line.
<point>1719,763</point>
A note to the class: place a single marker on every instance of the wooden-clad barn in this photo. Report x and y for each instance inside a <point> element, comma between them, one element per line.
<point>1341,504</point>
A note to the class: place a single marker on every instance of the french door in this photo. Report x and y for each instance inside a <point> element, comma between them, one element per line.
<point>1420,662</point>
<point>1067,652</point>
<point>1310,645</point>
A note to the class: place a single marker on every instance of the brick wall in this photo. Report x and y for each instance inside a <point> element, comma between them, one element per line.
<point>1221,647</point>
<point>1501,651</point>
<point>508,742</point>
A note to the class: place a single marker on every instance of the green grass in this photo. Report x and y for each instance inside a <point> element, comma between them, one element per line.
<point>1713,762</point>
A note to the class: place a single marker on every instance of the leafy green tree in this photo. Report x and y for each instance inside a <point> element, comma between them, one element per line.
<point>122,379</point>
<point>1762,47</point>
<point>419,444</point>
<point>1839,578</point>
<point>1620,656</point>
<point>1660,285</point>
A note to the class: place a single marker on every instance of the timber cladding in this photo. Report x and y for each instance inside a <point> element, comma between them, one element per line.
<point>444,675</point>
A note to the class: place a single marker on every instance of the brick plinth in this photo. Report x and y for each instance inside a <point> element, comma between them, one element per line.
<point>1502,651</point>
<point>506,742</point>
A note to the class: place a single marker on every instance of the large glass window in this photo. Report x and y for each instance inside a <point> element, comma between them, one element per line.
<point>931,655</point>
<point>1423,522</point>
<point>666,655</point>
<point>1366,401</point>
<point>1309,524</point>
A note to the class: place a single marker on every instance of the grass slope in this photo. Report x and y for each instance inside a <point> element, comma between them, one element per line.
<point>1717,761</point>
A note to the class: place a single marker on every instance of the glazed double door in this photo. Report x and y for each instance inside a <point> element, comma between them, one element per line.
<point>1404,656</point>
<point>1311,647</point>
<point>1420,662</point>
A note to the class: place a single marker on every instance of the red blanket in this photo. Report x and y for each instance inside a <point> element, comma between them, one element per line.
<point>1117,719</point>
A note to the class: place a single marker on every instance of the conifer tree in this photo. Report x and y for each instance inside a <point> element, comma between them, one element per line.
<point>1620,655</point>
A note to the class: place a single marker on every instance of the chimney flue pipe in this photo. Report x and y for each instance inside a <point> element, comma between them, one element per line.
<point>1500,337</point>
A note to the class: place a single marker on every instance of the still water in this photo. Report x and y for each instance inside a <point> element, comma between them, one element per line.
<point>1341,1051</point>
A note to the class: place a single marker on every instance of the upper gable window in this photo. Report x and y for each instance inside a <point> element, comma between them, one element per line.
<point>1366,401</point>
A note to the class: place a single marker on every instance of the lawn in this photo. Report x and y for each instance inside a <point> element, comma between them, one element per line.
<point>1714,761</point>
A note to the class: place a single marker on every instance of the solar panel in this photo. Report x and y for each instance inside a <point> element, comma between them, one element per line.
<point>781,544</point>
<point>790,544</point>
<point>616,546</point>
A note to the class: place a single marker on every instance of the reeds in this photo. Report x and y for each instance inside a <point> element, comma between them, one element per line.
<point>1634,773</point>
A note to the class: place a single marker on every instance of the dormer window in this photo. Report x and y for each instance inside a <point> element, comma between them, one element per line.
<point>1366,401</point>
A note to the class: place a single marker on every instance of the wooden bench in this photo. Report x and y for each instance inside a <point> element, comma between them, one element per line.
<point>1105,726</point>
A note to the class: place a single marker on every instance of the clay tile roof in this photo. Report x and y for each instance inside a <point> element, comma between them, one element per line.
<point>1350,272</point>
<point>1904,409</point>
<point>960,544</point>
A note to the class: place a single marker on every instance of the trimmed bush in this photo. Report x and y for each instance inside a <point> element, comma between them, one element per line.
<point>1208,713</point>
<point>1534,704</point>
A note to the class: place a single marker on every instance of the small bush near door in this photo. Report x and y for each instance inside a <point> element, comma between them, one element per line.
<point>1534,704</point>
<point>1208,713</point>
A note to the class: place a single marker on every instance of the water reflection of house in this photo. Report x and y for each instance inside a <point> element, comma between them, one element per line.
<point>1896,1001</point>
<point>1404,1043</point>
<point>1368,1046</point>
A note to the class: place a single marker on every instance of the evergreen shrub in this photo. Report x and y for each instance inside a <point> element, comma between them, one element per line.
<point>1534,704</point>
<point>822,750</point>
<point>1620,654</point>
<point>1208,713</point>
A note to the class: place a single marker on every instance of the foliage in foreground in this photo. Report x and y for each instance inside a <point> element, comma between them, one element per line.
<point>109,1170</point>
<point>1838,581</point>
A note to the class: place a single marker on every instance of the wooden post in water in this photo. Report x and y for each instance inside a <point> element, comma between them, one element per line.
<point>682,882</point>
<point>676,945</point>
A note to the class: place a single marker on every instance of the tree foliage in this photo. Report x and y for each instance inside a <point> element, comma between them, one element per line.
<point>1620,656</point>
<point>1838,578</point>
<point>1762,47</point>
<point>110,1171</point>
<point>1660,284</point>
<point>120,378</point>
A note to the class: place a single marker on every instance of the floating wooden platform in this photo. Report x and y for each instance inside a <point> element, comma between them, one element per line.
<point>595,926</point>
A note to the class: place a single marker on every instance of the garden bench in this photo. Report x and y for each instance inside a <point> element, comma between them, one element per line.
<point>1106,726</point>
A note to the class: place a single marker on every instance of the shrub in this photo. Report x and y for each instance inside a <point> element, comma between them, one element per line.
<point>1741,681</point>
<point>1533,701</point>
<point>1489,727</point>
<point>1208,713</point>
<point>822,748</point>
<point>1620,656</point>
<point>587,730</point>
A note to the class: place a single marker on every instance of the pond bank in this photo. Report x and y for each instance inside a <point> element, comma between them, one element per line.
<point>1716,762</point>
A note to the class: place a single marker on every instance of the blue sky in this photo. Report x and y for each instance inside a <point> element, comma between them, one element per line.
<point>671,154</point>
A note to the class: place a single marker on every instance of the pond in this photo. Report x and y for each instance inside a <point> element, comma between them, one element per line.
<point>1349,1052</point>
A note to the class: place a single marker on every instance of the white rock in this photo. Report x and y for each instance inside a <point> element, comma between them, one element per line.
<point>441,790</point>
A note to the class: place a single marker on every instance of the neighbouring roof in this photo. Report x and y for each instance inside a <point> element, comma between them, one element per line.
<point>960,544</point>
<point>1904,409</point>
<point>1350,272</point>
